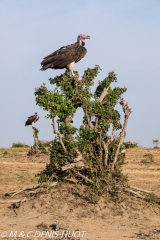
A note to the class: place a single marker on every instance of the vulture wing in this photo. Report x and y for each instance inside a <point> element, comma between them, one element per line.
<point>30,120</point>
<point>64,56</point>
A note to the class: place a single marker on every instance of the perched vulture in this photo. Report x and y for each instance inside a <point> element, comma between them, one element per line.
<point>66,56</point>
<point>32,119</point>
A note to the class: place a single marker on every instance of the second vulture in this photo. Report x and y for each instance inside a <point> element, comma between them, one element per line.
<point>32,119</point>
<point>66,56</point>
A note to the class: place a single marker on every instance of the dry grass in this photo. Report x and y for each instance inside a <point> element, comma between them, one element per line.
<point>18,170</point>
<point>141,171</point>
<point>129,218</point>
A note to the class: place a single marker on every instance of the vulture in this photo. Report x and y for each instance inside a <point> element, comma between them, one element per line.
<point>32,119</point>
<point>66,56</point>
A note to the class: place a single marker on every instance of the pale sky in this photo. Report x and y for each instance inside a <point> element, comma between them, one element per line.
<point>125,37</point>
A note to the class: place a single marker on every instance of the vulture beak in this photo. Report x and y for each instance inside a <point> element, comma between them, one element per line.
<point>88,37</point>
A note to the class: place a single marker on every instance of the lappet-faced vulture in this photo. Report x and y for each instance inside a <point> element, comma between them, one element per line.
<point>66,56</point>
<point>32,119</point>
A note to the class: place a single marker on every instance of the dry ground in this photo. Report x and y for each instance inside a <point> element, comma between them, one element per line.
<point>128,218</point>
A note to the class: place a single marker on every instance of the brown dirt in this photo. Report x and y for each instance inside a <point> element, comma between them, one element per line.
<point>127,218</point>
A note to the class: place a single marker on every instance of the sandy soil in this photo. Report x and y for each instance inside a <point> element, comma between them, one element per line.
<point>61,209</point>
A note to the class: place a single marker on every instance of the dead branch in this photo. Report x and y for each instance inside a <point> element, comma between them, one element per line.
<point>84,177</point>
<point>127,112</point>
<point>71,180</point>
<point>79,164</point>
<point>15,192</point>
<point>104,93</point>
<point>59,135</point>
<point>35,148</point>
<point>35,136</point>
<point>144,191</point>
<point>100,99</point>
<point>105,147</point>
<point>14,201</point>
<point>133,192</point>
<point>24,189</point>
<point>80,157</point>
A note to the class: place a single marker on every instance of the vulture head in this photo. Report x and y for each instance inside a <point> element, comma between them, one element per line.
<point>81,39</point>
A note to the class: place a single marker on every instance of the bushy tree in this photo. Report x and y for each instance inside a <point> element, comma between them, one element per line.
<point>87,154</point>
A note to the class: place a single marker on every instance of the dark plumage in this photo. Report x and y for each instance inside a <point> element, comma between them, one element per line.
<point>66,56</point>
<point>32,119</point>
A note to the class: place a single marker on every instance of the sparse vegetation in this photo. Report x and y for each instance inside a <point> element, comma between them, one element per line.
<point>148,158</point>
<point>152,198</point>
<point>19,145</point>
<point>46,143</point>
<point>130,144</point>
<point>5,153</point>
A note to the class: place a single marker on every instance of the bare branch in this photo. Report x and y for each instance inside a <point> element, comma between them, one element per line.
<point>84,177</point>
<point>79,164</point>
<point>104,93</point>
<point>89,121</point>
<point>14,200</point>
<point>105,147</point>
<point>133,192</point>
<point>15,192</point>
<point>144,190</point>
<point>35,148</point>
<point>127,112</point>
<point>69,119</point>
<point>59,135</point>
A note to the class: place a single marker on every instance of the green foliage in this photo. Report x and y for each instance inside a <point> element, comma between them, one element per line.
<point>62,102</point>
<point>42,147</point>
<point>19,145</point>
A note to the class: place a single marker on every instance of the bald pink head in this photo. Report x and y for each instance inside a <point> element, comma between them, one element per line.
<point>82,37</point>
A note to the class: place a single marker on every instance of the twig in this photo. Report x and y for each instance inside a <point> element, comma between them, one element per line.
<point>59,135</point>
